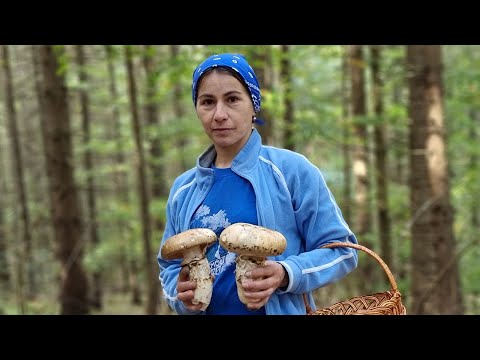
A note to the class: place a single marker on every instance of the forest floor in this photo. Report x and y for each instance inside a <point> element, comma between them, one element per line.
<point>114,303</point>
<point>121,304</point>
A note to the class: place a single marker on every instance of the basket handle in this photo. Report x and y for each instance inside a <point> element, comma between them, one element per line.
<point>368,251</point>
<point>371,253</point>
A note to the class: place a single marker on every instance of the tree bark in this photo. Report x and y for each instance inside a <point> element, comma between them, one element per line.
<point>262,63</point>
<point>120,179</point>
<point>435,287</point>
<point>67,218</point>
<point>96,288</point>
<point>346,134</point>
<point>381,170</point>
<point>152,295</point>
<point>26,274</point>
<point>286,75</point>
<point>362,219</point>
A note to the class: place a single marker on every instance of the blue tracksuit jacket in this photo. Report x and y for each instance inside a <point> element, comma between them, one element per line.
<point>292,198</point>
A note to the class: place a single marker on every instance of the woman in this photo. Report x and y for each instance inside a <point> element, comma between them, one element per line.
<point>237,179</point>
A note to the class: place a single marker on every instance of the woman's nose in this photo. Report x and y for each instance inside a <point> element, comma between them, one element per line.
<point>220,112</point>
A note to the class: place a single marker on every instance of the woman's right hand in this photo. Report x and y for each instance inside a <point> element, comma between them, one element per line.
<point>186,289</point>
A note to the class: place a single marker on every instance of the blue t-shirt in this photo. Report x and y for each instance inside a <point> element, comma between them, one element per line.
<point>231,200</point>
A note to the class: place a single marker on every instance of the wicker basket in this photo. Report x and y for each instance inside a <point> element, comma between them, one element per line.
<point>382,303</point>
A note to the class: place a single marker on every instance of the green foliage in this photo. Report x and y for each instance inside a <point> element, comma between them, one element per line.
<point>157,208</point>
<point>318,128</point>
<point>471,272</point>
<point>62,59</point>
<point>101,257</point>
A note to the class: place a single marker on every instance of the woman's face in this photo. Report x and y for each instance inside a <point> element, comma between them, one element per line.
<point>225,109</point>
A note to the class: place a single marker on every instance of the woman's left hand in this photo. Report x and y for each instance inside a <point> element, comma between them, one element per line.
<point>260,283</point>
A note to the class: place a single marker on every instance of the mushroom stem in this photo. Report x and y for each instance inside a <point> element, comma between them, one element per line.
<point>200,273</point>
<point>245,263</point>
<point>192,254</point>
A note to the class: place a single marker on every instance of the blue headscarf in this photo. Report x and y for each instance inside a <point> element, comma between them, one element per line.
<point>236,62</point>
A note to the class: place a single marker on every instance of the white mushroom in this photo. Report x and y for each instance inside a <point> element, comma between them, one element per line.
<point>252,244</point>
<point>191,246</point>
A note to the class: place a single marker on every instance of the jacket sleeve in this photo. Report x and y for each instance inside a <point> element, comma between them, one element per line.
<point>319,221</point>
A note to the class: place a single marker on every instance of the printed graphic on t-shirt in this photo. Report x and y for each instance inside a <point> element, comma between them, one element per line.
<point>217,256</point>
<point>214,222</point>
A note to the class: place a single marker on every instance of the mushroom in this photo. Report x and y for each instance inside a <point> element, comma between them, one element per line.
<point>191,246</point>
<point>252,244</point>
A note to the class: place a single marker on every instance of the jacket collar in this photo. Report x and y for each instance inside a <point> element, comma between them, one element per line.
<point>244,162</point>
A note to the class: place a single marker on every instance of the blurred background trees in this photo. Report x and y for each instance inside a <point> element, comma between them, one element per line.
<point>92,136</point>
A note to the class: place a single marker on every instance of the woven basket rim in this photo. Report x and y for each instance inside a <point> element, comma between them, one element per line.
<point>393,294</point>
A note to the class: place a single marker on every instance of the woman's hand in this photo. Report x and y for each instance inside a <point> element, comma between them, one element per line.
<point>185,289</point>
<point>260,283</point>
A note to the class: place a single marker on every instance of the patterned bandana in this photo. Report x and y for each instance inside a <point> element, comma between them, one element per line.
<point>236,62</point>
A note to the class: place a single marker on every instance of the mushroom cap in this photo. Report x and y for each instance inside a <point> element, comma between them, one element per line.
<point>174,247</point>
<point>252,240</point>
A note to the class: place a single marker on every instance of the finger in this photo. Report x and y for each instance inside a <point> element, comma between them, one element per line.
<point>184,274</point>
<point>186,296</point>
<point>258,285</point>
<point>270,268</point>
<point>256,305</point>
<point>194,307</point>
<point>259,273</point>
<point>183,286</point>
<point>258,295</point>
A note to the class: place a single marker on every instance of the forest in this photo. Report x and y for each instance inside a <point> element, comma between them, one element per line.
<point>92,137</point>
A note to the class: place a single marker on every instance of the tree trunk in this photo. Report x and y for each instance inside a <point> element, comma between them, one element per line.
<point>26,273</point>
<point>286,76</point>
<point>5,278</point>
<point>120,178</point>
<point>473,164</point>
<point>96,288</point>
<point>152,115</point>
<point>152,293</point>
<point>435,287</point>
<point>347,160</point>
<point>362,221</point>
<point>381,173</point>
<point>159,188</point>
<point>262,63</point>
<point>178,109</point>
<point>67,220</point>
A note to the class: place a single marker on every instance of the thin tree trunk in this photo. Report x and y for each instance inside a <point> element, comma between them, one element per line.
<point>121,183</point>
<point>152,115</point>
<point>5,278</point>
<point>96,288</point>
<point>26,285</point>
<point>473,164</point>
<point>262,62</point>
<point>179,111</point>
<point>381,174</point>
<point>360,156</point>
<point>38,80</point>
<point>151,306</point>
<point>435,286</point>
<point>286,75</point>
<point>400,172</point>
<point>159,187</point>
<point>362,220</point>
<point>347,160</point>
<point>67,219</point>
